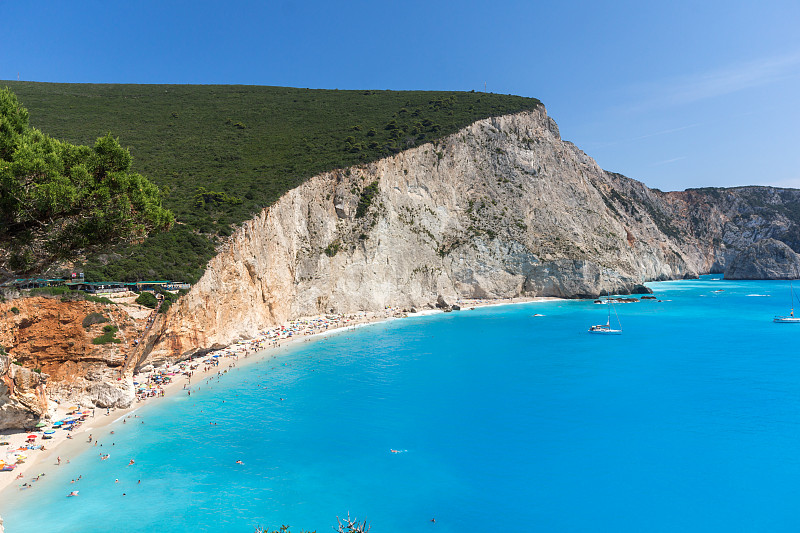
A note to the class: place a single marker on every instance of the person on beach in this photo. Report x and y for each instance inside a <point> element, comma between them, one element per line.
<point>59,460</point>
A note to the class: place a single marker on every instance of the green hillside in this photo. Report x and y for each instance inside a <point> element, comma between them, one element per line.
<point>220,153</point>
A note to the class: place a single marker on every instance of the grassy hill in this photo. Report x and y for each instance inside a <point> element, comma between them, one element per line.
<point>222,152</point>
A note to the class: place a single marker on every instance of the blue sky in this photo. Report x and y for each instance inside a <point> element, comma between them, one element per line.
<point>675,94</point>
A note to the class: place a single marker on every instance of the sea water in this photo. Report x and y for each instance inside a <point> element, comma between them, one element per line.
<point>500,420</point>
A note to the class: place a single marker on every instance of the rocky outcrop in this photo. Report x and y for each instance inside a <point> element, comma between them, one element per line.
<point>503,208</point>
<point>49,337</point>
<point>23,402</point>
<point>766,259</point>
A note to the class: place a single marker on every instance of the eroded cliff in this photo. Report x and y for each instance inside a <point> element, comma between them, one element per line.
<point>51,342</point>
<point>503,208</point>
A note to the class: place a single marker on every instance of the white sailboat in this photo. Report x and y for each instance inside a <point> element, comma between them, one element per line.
<point>790,319</point>
<point>606,329</point>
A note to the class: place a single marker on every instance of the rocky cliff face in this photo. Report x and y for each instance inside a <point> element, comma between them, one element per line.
<point>49,337</point>
<point>766,259</point>
<point>502,208</point>
<point>23,401</point>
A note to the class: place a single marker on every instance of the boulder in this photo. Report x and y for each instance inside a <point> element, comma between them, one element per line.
<point>641,289</point>
<point>765,259</point>
<point>113,394</point>
<point>22,398</point>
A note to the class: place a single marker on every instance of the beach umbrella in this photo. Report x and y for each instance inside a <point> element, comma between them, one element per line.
<point>49,432</point>
<point>31,436</point>
<point>41,425</point>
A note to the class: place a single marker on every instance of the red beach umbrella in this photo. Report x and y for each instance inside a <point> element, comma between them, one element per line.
<point>31,436</point>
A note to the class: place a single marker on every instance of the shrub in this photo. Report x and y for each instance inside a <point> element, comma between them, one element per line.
<point>147,299</point>
<point>51,291</point>
<point>170,297</point>
<point>98,299</point>
<point>332,249</point>
<point>205,198</point>
<point>108,336</point>
<point>14,310</point>
<point>367,195</point>
<point>93,318</point>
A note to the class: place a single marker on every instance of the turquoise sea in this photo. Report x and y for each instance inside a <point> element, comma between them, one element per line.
<point>506,421</point>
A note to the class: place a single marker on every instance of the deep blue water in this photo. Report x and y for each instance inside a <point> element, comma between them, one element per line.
<point>689,421</point>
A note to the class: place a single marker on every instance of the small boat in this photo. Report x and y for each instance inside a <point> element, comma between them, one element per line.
<point>790,319</point>
<point>606,329</point>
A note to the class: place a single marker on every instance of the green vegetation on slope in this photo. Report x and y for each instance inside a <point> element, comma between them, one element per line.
<point>57,197</point>
<point>225,152</point>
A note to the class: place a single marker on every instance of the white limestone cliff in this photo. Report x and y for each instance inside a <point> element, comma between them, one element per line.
<point>502,208</point>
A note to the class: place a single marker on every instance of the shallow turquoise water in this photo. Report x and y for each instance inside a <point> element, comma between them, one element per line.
<point>689,421</point>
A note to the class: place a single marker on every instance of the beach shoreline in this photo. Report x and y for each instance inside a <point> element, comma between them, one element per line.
<point>60,446</point>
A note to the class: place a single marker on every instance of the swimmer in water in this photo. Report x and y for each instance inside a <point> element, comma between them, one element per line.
<point>73,493</point>
<point>239,462</point>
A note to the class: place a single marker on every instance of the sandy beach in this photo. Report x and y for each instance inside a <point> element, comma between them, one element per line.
<point>181,377</point>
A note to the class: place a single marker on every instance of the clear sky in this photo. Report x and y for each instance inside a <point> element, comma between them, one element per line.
<point>675,94</point>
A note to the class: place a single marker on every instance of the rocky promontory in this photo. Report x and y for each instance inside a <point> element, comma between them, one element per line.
<point>765,259</point>
<point>503,208</point>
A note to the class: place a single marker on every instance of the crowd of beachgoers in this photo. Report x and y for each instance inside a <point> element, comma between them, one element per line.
<point>21,450</point>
